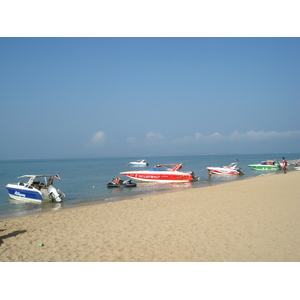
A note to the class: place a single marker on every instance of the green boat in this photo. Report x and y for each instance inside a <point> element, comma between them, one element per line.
<point>266,165</point>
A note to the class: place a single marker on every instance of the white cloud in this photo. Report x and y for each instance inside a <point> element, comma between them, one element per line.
<point>154,137</point>
<point>214,137</point>
<point>237,137</point>
<point>131,140</point>
<point>99,138</point>
<point>198,135</point>
<point>262,135</point>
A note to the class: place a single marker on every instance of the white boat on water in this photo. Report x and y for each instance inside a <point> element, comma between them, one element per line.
<point>138,163</point>
<point>297,165</point>
<point>37,188</point>
<point>232,169</point>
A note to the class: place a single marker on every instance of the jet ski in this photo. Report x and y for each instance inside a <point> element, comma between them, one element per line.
<point>118,182</point>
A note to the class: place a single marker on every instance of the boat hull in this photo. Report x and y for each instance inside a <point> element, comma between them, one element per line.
<point>264,167</point>
<point>222,171</point>
<point>164,177</point>
<point>24,193</point>
<point>137,165</point>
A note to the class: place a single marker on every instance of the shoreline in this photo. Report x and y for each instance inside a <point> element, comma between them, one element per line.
<point>243,220</point>
<point>80,203</point>
<point>82,194</point>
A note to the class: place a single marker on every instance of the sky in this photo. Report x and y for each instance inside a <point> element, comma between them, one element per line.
<point>112,97</point>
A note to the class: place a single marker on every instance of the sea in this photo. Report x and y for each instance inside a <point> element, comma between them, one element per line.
<point>84,180</point>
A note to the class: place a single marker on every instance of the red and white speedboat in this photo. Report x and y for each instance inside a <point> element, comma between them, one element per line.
<point>232,169</point>
<point>163,173</point>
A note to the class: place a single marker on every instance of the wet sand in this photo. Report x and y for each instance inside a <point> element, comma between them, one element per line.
<point>251,220</point>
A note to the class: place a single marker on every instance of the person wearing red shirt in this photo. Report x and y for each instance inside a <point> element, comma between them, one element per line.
<point>284,165</point>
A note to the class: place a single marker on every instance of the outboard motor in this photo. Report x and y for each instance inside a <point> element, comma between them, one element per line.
<point>241,172</point>
<point>195,177</point>
<point>53,193</point>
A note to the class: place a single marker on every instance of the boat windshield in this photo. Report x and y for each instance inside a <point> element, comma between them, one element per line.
<point>159,168</point>
<point>167,167</point>
<point>269,162</point>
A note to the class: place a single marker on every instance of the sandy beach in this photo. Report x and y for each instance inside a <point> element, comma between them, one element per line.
<point>251,220</point>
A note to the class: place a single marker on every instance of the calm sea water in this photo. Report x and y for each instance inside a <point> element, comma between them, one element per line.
<point>84,180</point>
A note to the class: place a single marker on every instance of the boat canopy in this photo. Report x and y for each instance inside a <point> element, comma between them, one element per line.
<point>161,167</point>
<point>29,176</point>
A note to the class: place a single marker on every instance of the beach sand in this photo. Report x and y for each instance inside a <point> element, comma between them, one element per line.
<point>251,220</point>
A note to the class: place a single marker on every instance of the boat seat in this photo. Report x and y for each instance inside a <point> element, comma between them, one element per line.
<point>36,184</point>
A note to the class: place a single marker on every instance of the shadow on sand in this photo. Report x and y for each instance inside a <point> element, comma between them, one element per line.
<point>14,233</point>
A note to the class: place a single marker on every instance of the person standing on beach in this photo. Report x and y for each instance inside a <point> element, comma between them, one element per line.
<point>284,165</point>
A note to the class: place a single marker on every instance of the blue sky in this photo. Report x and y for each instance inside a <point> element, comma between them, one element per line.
<point>101,97</point>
